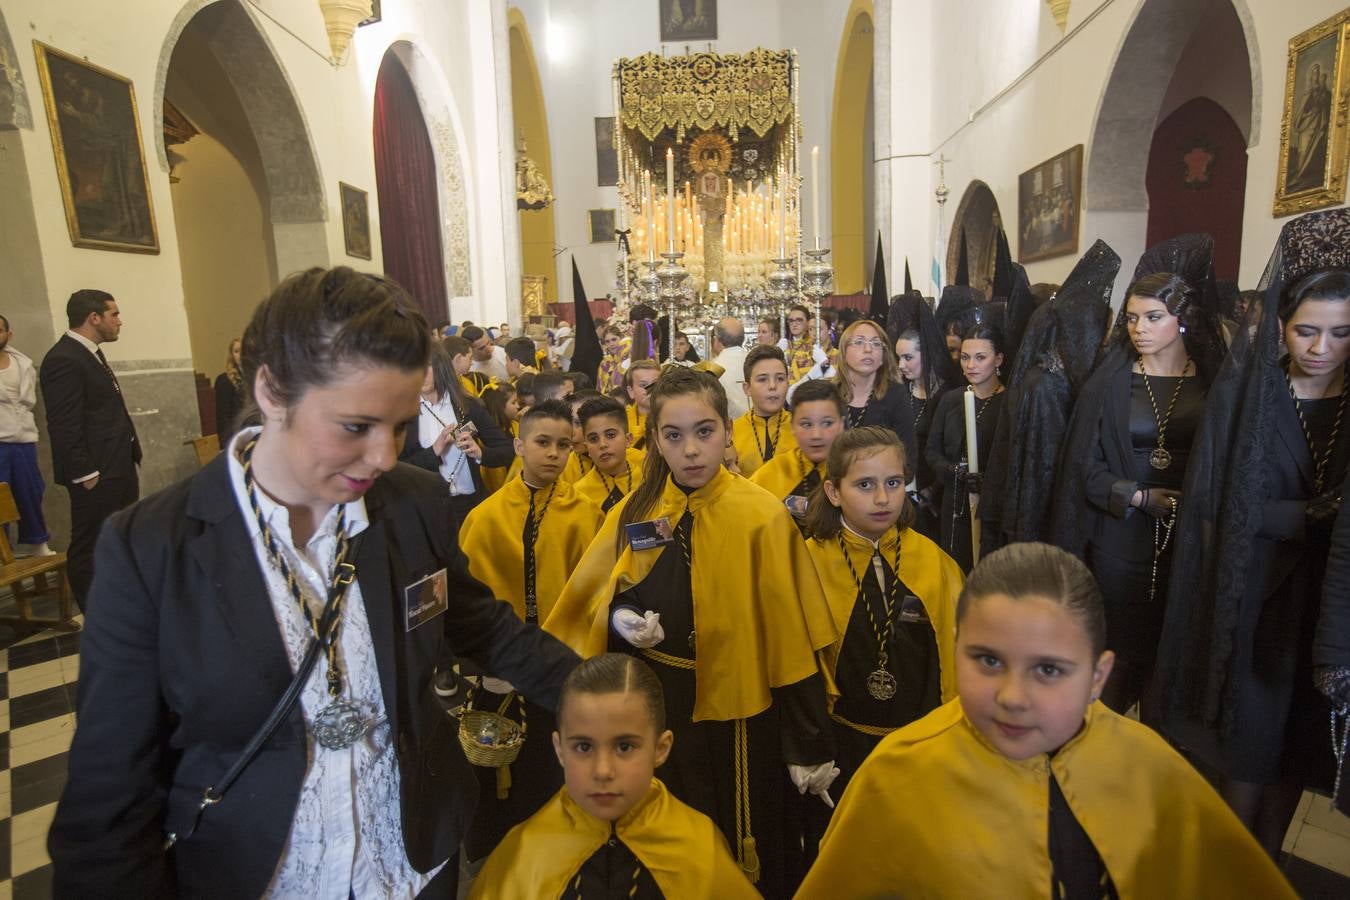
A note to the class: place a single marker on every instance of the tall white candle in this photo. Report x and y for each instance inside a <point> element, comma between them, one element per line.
<point>782,220</point>
<point>972,443</point>
<point>815,194</point>
<point>670,200</point>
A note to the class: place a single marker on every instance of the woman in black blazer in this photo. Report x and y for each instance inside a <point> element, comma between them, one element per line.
<point>193,631</point>
<point>868,380</point>
<point>437,442</point>
<point>230,395</point>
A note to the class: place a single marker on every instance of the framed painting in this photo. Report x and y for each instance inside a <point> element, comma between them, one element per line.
<point>1313,134</point>
<point>601,222</point>
<point>100,161</point>
<point>355,220</point>
<point>606,157</point>
<point>688,20</point>
<point>1048,207</point>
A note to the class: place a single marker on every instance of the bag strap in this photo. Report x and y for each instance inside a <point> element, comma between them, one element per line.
<point>215,793</point>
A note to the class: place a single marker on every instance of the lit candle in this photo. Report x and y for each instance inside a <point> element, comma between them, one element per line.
<point>815,194</point>
<point>782,221</point>
<point>670,199</point>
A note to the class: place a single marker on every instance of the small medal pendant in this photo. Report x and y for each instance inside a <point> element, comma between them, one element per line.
<point>339,725</point>
<point>881,685</point>
<point>1160,458</point>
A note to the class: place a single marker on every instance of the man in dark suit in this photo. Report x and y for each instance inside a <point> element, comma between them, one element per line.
<point>94,446</point>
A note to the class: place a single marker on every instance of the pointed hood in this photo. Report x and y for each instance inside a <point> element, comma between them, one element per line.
<point>962,278</point>
<point>586,353</point>
<point>909,282</point>
<point>1004,275</point>
<point>880,298</point>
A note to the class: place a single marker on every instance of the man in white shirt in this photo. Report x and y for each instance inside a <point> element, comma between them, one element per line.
<point>18,445</point>
<point>728,344</point>
<point>487,358</point>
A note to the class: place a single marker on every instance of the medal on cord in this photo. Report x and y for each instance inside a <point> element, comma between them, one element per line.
<point>1160,458</point>
<point>881,683</point>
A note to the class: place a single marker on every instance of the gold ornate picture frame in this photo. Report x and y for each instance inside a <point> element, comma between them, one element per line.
<point>100,160</point>
<point>355,220</point>
<point>1314,133</point>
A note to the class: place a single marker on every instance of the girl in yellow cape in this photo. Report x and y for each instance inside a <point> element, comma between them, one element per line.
<point>704,574</point>
<point>1026,785</point>
<point>613,830</point>
<point>794,475</point>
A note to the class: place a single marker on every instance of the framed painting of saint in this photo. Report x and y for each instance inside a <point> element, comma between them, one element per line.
<point>688,20</point>
<point>355,220</point>
<point>1313,134</point>
<point>100,161</point>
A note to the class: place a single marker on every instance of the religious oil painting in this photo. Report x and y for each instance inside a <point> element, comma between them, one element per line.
<point>100,160</point>
<point>601,223</point>
<point>355,220</point>
<point>606,157</point>
<point>1313,136</point>
<point>1048,207</point>
<point>688,20</point>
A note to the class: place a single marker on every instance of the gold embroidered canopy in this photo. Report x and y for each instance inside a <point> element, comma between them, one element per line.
<point>706,91</point>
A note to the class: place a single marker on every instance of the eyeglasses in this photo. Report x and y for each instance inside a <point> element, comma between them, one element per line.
<point>867,343</point>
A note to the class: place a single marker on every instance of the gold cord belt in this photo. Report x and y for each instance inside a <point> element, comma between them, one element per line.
<point>873,730</point>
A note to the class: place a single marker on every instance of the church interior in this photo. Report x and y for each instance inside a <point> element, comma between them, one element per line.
<point>186,156</point>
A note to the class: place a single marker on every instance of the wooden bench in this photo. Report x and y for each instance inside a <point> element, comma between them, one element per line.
<point>16,574</point>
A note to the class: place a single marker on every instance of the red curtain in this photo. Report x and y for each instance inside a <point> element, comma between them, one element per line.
<point>405,180</point>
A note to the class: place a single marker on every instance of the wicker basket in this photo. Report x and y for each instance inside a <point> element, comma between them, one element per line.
<point>511,734</point>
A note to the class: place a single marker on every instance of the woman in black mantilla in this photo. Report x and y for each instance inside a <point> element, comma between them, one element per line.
<point>1235,663</point>
<point>1129,443</point>
<point>981,362</point>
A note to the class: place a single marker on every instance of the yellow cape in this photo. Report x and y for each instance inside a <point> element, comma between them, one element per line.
<point>936,811</point>
<point>744,431</point>
<point>492,539</point>
<point>637,426</point>
<point>932,575</point>
<point>496,476</point>
<point>679,846</point>
<point>758,609</point>
<point>784,472</point>
<point>595,485</point>
<point>577,467</point>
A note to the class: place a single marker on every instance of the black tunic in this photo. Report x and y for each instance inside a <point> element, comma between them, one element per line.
<point>946,449</point>
<point>613,872</point>
<point>1078,872</point>
<point>923,413</point>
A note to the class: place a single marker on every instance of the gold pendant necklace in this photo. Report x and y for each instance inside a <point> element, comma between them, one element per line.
<point>881,684</point>
<point>1161,458</point>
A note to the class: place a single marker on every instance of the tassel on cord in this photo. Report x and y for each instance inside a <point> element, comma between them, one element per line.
<point>503,782</point>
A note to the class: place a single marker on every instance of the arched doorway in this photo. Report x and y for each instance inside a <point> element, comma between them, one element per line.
<point>978,216</point>
<point>531,121</point>
<point>852,217</point>
<point>405,176</point>
<point>1174,51</point>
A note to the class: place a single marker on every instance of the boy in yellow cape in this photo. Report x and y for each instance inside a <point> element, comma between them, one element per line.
<point>792,476</point>
<point>617,466</point>
<point>523,542</point>
<point>1026,785</point>
<point>579,463</point>
<point>639,379</point>
<point>759,434</point>
<point>613,831</point>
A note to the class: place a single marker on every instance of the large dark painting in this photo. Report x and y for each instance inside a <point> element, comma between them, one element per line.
<point>1048,207</point>
<point>606,157</point>
<point>1313,137</point>
<point>100,161</point>
<point>688,20</point>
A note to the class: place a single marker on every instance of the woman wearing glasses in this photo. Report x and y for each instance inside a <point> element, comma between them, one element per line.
<point>803,354</point>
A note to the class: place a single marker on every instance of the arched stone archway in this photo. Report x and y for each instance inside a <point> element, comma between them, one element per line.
<point>297,208</point>
<point>1115,201</point>
<point>979,216</point>
<point>851,150</point>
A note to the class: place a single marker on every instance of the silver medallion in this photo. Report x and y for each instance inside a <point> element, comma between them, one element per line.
<point>340,724</point>
<point>1160,458</point>
<point>881,685</point>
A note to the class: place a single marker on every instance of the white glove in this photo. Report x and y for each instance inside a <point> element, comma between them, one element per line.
<point>641,630</point>
<point>816,779</point>
<point>497,685</point>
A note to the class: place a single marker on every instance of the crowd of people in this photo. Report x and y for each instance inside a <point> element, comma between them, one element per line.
<point>764,623</point>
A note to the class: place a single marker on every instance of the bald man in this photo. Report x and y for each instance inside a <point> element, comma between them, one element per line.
<point>728,345</point>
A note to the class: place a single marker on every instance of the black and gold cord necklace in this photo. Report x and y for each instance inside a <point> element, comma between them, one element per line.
<point>767,448</point>
<point>1160,457</point>
<point>880,683</point>
<point>1321,460</point>
<point>533,521</point>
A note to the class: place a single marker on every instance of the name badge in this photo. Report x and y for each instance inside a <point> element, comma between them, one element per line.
<point>425,600</point>
<point>911,610</point>
<point>796,505</point>
<point>651,534</point>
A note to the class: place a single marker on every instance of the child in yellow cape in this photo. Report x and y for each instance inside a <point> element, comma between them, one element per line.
<point>760,435</point>
<point>613,830</point>
<point>1026,785</point>
<point>579,463</point>
<point>703,573</point>
<point>617,467</point>
<point>639,379</point>
<point>794,475</point>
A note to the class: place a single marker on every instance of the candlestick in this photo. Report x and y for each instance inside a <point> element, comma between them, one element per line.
<point>973,466</point>
<point>670,200</point>
<point>815,194</point>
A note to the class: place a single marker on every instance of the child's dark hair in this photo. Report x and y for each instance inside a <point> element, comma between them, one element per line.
<point>525,386</point>
<point>548,386</point>
<point>456,346</point>
<point>580,381</point>
<point>521,349</point>
<point>823,518</point>
<point>495,399</point>
<point>616,673</point>
<point>675,381</point>
<point>815,391</point>
<point>546,409</point>
<point>603,406</point>
<point>319,320</point>
<point>761,352</point>
<point>642,365</point>
<point>1033,569</point>
<point>579,398</point>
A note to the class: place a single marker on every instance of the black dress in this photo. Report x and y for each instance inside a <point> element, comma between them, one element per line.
<point>701,769</point>
<point>890,411</point>
<point>946,452</point>
<point>923,413</point>
<point>1121,542</point>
